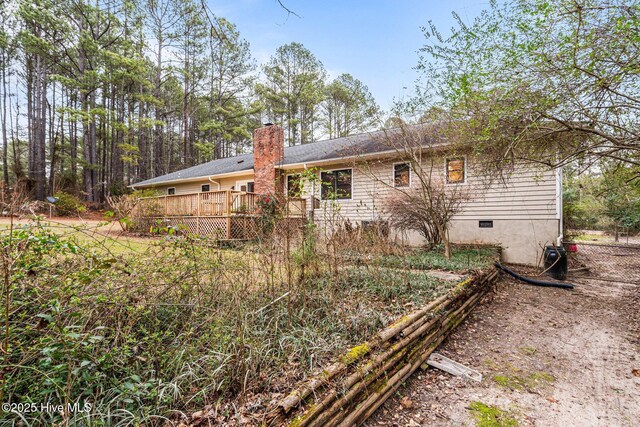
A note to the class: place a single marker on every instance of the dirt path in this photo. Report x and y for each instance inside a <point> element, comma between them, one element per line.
<point>549,357</point>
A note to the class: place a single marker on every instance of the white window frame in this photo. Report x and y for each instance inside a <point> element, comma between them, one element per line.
<point>171,188</point>
<point>465,167</point>
<point>244,182</point>
<point>393,174</point>
<point>333,170</point>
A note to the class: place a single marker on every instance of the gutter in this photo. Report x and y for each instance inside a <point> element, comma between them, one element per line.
<point>346,159</point>
<point>194,179</point>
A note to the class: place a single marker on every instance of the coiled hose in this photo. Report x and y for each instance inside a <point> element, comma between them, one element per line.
<point>534,281</point>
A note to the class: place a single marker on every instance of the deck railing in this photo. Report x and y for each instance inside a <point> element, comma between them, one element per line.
<point>221,203</point>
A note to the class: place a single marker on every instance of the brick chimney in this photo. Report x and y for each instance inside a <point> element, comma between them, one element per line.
<point>268,154</point>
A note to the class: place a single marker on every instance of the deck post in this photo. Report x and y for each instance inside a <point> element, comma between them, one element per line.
<point>228,213</point>
<point>198,202</point>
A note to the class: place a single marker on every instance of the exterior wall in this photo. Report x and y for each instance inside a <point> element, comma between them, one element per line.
<point>525,209</point>
<point>196,186</point>
<point>522,240</point>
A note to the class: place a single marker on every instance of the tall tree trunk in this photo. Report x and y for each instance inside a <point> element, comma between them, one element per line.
<point>31,124</point>
<point>39,171</point>
<point>73,141</point>
<point>93,148</point>
<point>102,154</point>
<point>116,156</point>
<point>158,166</point>
<point>87,182</point>
<point>53,139</point>
<point>186,115</point>
<point>18,171</point>
<point>142,141</point>
<point>5,144</point>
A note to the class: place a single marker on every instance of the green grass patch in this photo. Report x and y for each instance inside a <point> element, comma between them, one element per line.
<point>491,416</point>
<point>530,381</point>
<point>528,351</point>
<point>461,260</point>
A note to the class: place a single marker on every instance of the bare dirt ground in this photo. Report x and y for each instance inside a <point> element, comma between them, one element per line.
<point>549,357</point>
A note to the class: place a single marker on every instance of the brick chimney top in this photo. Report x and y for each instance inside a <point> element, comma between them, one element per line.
<point>268,154</point>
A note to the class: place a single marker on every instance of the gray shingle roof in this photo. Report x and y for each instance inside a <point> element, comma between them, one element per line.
<point>366,143</point>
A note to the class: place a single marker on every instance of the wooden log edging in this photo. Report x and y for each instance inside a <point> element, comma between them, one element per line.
<point>349,391</point>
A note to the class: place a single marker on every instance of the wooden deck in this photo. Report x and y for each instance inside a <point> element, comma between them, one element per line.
<point>226,214</point>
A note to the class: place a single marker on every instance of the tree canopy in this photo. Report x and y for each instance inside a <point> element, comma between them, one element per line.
<point>348,107</point>
<point>97,95</point>
<point>293,90</point>
<point>526,74</point>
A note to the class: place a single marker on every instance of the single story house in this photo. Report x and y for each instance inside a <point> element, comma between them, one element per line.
<point>522,213</point>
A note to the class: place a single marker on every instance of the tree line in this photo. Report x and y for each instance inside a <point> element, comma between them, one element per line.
<point>98,95</point>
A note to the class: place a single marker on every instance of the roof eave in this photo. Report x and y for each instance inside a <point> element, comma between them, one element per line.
<point>289,166</point>
<point>194,179</point>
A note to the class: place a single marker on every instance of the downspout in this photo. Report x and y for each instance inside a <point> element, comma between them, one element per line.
<point>215,182</point>
<point>559,206</point>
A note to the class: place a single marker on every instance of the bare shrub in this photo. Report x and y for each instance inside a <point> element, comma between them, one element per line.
<point>427,209</point>
<point>425,202</point>
<point>17,201</point>
<point>123,207</point>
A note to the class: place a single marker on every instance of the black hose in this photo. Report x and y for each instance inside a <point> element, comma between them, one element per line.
<point>533,281</point>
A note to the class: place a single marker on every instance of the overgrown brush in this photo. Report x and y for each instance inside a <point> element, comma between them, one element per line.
<point>145,336</point>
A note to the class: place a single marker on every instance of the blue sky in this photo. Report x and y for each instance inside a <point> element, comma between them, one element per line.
<point>376,41</point>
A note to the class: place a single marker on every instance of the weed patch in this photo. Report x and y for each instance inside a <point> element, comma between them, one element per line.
<point>528,351</point>
<point>529,382</point>
<point>178,324</point>
<point>491,416</point>
<point>461,260</point>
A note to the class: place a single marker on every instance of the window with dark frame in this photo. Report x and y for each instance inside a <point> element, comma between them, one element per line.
<point>401,175</point>
<point>205,188</point>
<point>171,191</point>
<point>293,185</point>
<point>455,170</point>
<point>336,184</point>
<point>250,187</point>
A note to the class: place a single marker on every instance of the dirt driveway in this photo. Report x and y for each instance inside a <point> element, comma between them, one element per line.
<point>549,357</point>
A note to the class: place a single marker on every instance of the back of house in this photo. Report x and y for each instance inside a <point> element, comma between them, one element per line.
<point>357,178</point>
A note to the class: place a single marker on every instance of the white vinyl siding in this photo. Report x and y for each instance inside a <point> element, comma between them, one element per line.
<point>527,194</point>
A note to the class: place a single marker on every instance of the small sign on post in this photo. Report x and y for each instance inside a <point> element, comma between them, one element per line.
<point>52,201</point>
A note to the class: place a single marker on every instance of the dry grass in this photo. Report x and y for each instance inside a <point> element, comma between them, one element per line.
<point>150,328</point>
